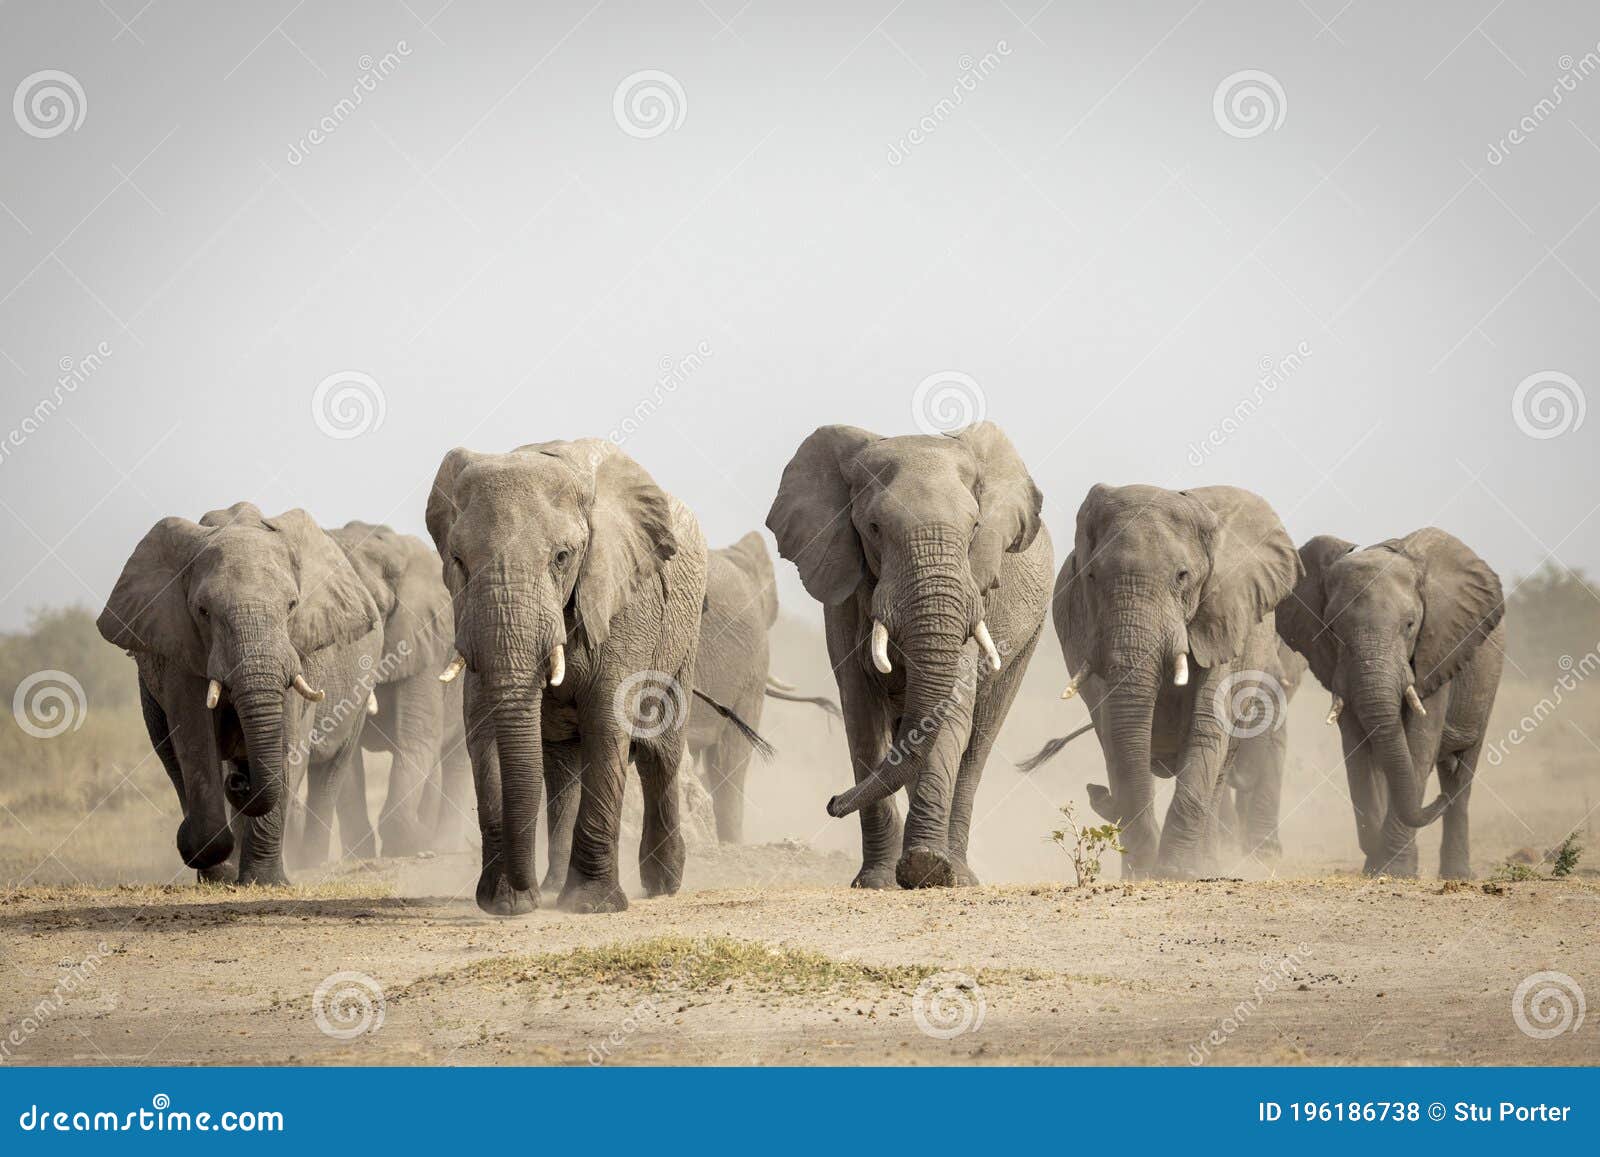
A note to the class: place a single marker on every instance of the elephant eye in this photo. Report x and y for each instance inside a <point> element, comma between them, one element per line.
<point>1183,574</point>
<point>563,557</point>
<point>456,558</point>
<point>872,529</point>
<point>204,614</point>
<point>293,603</point>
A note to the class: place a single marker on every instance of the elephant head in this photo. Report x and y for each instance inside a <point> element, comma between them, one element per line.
<point>914,527</point>
<point>1158,578</point>
<point>402,575</point>
<point>240,600</point>
<point>540,546</point>
<point>1383,629</point>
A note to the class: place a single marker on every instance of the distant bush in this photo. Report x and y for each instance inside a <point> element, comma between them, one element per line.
<point>1552,613</point>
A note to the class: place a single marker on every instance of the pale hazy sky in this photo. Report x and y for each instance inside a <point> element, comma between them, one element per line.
<point>1108,252</point>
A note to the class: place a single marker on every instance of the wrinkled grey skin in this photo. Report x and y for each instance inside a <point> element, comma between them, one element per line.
<point>570,543</point>
<point>929,535</point>
<point>1156,574</point>
<point>733,668</point>
<point>251,602</point>
<point>1251,804</point>
<point>1422,611</point>
<point>419,719</point>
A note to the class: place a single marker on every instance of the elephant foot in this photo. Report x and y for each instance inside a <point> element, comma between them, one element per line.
<point>362,846</point>
<point>1397,866</point>
<point>554,882</point>
<point>589,896</point>
<point>923,867</point>
<point>875,876</point>
<point>496,896</point>
<point>1454,870</point>
<point>965,877</point>
<point>400,838</point>
<point>263,875</point>
<point>662,873</point>
<point>223,873</point>
<point>1171,870</point>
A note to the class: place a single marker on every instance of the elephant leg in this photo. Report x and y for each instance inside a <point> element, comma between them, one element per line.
<point>661,847</point>
<point>417,718</point>
<point>928,860</point>
<point>866,728</point>
<point>563,782</point>
<point>1368,800</point>
<point>727,764</point>
<point>993,704</point>
<point>1456,773</point>
<point>160,731</point>
<point>316,832</point>
<point>1259,818</point>
<point>454,808</point>
<point>592,881</point>
<point>355,825</point>
<point>1188,837</point>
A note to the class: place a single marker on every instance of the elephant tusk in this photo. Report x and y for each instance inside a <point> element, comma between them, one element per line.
<point>880,648</point>
<point>456,665</point>
<point>213,693</point>
<point>981,633</point>
<point>1072,684</point>
<point>1334,711</point>
<point>372,702</point>
<point>306,691</point>
<point>778,684</point>
<point>1180,670</point>
<point>558,666</point>
<point>1416,701</point>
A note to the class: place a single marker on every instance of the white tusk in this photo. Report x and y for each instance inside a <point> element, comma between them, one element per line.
<point>306,691</point>
<point>372,702</point>
<point>558,666</point>
<point>778,684</point>
<point>1334,711</point>
<point>455,668</point>
<point>213,693</point>
<point>1416,701</point>
<point>1072,684</point>
<point>880,647</point>
<point>981,633</point>
<point>1180,671</point>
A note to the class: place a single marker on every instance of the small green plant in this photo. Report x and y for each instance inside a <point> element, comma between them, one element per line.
<point>1567,855</point>
<point>1085,845</point>
<point>1511,872</point>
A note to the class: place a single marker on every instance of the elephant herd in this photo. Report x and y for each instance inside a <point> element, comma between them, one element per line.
<point>570,622</point>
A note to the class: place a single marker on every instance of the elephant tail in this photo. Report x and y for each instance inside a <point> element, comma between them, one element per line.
<point>1049,750</point>
<point>751,736</point>
<point>778,689</point>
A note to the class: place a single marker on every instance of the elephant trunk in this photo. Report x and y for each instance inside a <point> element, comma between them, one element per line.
<point>1377,703</point>
<point>260,712</point>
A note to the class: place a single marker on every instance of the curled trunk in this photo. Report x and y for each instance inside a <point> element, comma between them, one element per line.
<point>260,713</point>
<point>1380,714</point>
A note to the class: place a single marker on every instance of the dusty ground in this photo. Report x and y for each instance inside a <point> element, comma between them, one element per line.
<point>798,971</point>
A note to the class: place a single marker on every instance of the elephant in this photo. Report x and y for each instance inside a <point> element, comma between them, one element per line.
<point>1158,580</point>
<point>1408,637</point>
<point>741,604</point>
<point>931,562</point>
<point>1252,802</point>
<point>254,641</point>
<point>577,586</point>
<point>418,719</point>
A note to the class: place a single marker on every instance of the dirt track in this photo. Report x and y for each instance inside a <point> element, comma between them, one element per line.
<point>801,971</point>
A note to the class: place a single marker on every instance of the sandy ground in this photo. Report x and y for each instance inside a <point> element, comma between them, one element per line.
<point>801,970</point>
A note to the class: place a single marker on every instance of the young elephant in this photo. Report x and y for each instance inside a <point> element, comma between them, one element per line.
<point>418,719</point>
<point>1158,579</point>
<point>254,641</point>
<point>1408,638</point>
<point>733,668</point>
<point>931,563</point>
<point>1255,781</point>
<point>577,585</point>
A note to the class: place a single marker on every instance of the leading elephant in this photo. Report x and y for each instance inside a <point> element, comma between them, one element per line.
<point>1164,613</point>
<point>932,565</point>
<point>734,668</point>
<point>577,585</point>
<point>254,641</point>
<point>1407,635</point>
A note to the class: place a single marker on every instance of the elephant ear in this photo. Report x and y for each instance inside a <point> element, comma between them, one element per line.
<point>1008,501</point>
<point>1302,618</point>
<point>630,531</point>
<point>335,606</point>
<point>750,555</point>
<point>1069,610</point>
<point>1254,566</point>
<point>1462,602</point>
<point>379,557</point>
<point>442,504</point>
<point>810,517</point>
<point>148,609</point>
